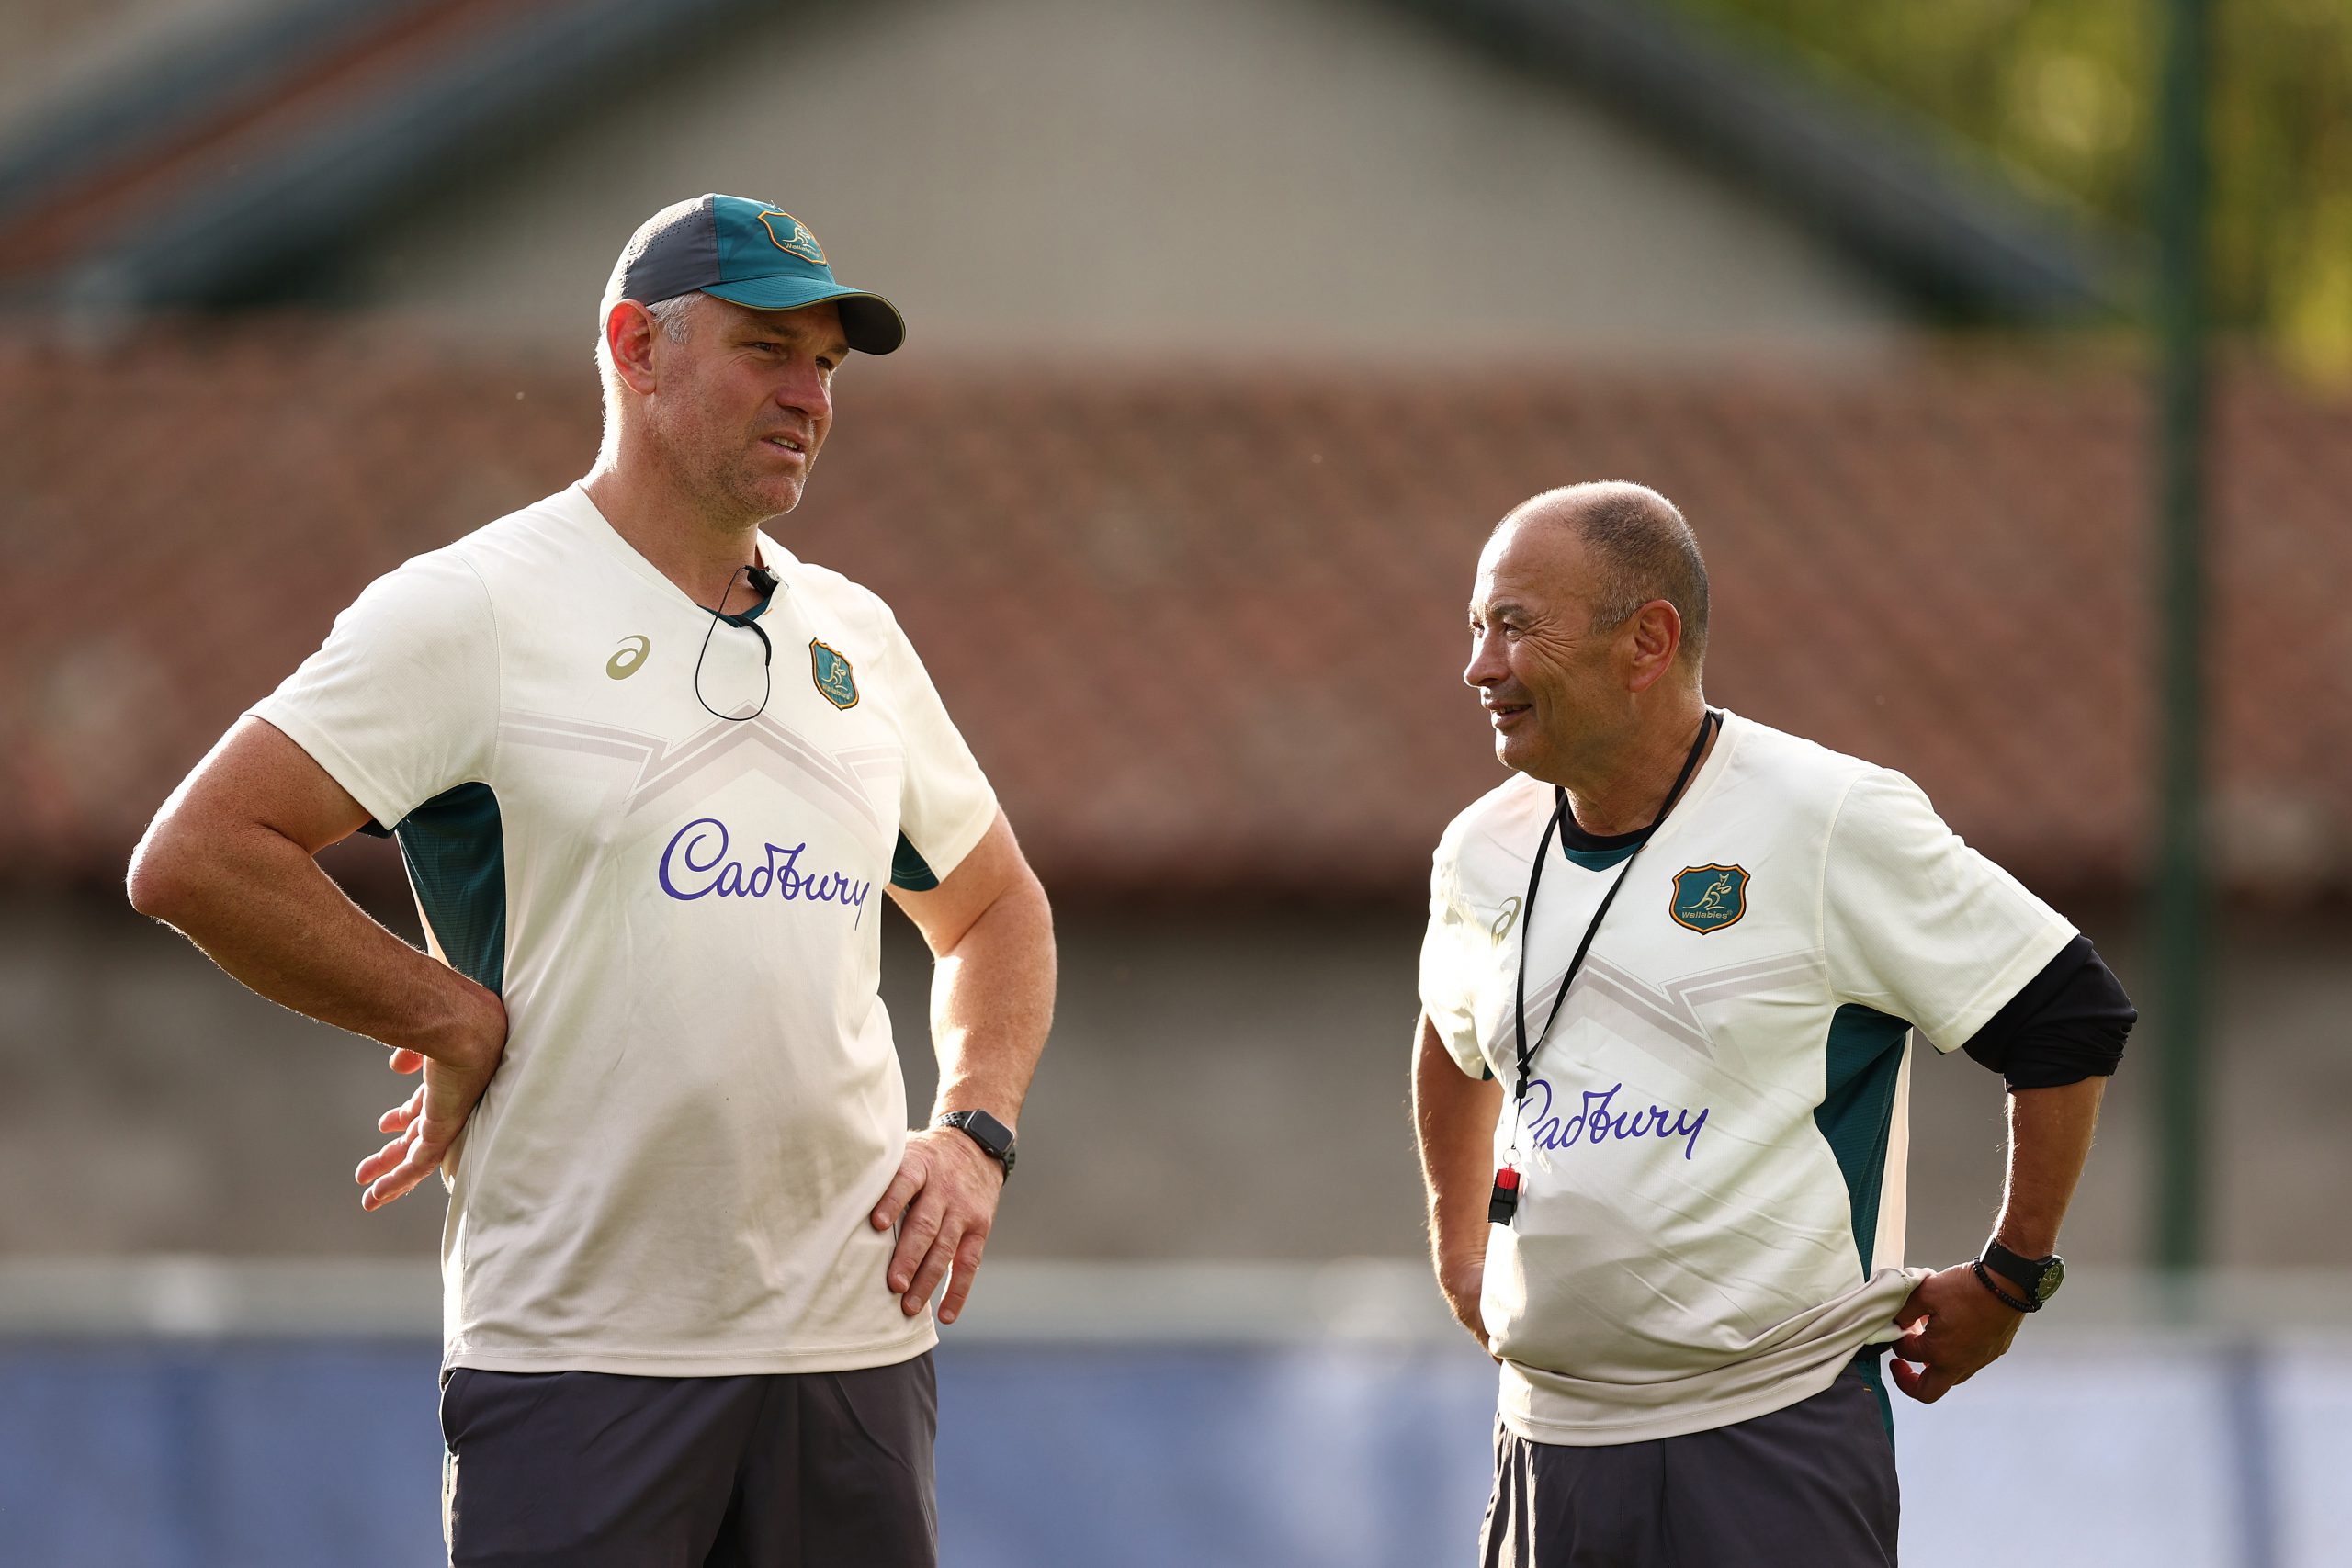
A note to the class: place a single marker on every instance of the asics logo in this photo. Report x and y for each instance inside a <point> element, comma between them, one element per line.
<point>630,659</point>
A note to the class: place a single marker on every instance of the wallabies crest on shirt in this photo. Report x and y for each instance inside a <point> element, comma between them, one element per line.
<point>832,674</point>
<point>1708,898</point>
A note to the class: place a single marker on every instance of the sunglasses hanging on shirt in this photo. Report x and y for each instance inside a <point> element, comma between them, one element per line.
<point>763,582</point>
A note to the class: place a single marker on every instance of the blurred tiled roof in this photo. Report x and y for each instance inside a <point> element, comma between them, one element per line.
<point>1204,626</point>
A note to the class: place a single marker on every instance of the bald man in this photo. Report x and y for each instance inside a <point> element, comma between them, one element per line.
<point>1673,975</point>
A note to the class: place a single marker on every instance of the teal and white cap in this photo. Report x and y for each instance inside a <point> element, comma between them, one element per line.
<point>755,253</point>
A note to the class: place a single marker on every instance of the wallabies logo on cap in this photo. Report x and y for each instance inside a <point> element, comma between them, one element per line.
<point>791,234</point>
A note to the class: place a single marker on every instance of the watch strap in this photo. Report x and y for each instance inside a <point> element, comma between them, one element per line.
<point>1985,1278</point>
<point>994,1137</point>
<point>2016,1267</point>
<point>2035,1278</point>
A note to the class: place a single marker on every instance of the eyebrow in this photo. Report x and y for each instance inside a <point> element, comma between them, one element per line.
<point>837,348</point>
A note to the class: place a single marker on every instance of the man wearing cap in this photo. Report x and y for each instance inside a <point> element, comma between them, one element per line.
<point>648,771</point>
<point>1674,975</point>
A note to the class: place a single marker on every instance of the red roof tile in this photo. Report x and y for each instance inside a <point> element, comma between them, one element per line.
<point>1204,627</point>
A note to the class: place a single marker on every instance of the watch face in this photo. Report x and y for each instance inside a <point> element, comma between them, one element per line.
<point>986,1130</point>
<point>993,1135</point>
<point>2054,1274</point>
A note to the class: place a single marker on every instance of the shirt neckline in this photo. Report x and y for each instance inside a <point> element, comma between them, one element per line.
<point>1598,852</point>
<point>574,497</point>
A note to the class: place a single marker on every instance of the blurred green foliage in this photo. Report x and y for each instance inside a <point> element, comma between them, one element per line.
<point>2061,94</point>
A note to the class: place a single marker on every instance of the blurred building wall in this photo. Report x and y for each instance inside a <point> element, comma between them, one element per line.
<point>1219,1085</point>
<point>1282,178</point>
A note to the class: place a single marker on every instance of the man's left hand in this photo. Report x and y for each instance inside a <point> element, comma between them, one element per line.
<point>946,1189</point>
<point>1953,1328</point>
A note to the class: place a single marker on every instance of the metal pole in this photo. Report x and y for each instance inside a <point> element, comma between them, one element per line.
<point>2179,913</point>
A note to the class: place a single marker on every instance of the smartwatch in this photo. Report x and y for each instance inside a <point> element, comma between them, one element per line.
<point>2036,1279</point>
<point>992,1135</point>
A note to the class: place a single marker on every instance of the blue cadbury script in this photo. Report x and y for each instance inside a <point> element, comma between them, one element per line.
<point>1596,1122</point>
<point>776,875</point>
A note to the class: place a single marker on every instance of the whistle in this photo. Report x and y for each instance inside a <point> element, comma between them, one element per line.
<point>1504,1201</point>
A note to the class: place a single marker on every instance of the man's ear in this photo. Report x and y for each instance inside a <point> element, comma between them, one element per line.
<point>628,338</point>
<point>1655,633</point>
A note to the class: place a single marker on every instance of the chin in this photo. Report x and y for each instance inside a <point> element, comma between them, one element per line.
<point>768,497</point>
<point>1522,754</point>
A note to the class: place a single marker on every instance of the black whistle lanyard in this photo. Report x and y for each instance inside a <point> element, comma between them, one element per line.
<point>1505,1202</point>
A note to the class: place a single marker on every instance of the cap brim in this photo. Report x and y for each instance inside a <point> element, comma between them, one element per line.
<point>872,323</point>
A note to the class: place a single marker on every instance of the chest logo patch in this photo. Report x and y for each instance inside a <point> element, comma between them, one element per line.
<point>630,659</point>
<point>1708,898</point>
<point>832,674</point>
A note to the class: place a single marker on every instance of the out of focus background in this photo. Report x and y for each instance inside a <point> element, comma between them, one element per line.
<point>2000,352</point>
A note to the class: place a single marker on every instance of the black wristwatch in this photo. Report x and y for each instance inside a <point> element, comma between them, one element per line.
<point>985,1130</point>
<point>2036,1279</point>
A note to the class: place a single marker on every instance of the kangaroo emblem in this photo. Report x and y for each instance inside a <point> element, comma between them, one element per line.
<point>794,237</point>
<point>1706,898</point>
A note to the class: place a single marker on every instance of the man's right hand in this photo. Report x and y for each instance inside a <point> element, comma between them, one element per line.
<point>1463,1281</point>
<point>229,861</point>
<point>1454,1121</point>
<point>426,1124</point>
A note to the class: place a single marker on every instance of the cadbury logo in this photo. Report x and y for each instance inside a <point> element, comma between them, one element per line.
<point>1597,1120</point>
<point>695,864</point>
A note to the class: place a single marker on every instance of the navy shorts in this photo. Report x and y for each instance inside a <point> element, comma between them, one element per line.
<point>1810,1487</point>
<point>593,1470</point>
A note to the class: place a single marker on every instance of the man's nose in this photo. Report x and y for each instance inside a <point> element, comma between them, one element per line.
<point>1486,664</point>
<point>806,391</point>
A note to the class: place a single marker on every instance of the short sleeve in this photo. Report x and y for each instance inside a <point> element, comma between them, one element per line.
<point>945,803</point>
<point>401,703</point>
<point>1919,926</point>
<point>1447,996</point>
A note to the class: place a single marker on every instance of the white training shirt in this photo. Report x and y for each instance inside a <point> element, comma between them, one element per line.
<point>699,1105</point>
<point>1712,1150</point>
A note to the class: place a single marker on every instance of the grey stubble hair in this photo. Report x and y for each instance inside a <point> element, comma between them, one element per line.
<point>675,317</point>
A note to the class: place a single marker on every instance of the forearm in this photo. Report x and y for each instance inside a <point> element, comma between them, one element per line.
<point>259,907</point>
<point>1454,1124</point>
<point>992,1005</point>
<point>2050,1141</point>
